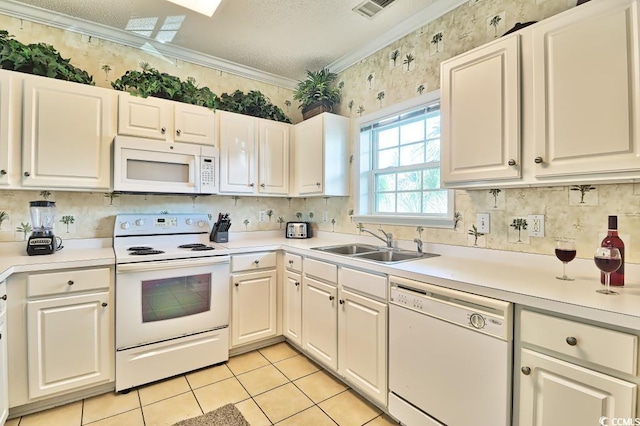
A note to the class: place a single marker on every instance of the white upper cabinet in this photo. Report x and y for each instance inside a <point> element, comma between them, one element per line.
<point>576,118</point>
<point>481,113</point>
<point>254,155</point>
<point>161,119</point>
<point>67,133</point>
<point>10,120</point>
<point>586,91</point>
<point>321,156</point>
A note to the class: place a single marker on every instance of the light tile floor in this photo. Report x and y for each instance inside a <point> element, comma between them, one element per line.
<point>273,385</point>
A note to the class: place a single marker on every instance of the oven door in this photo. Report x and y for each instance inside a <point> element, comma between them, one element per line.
<point>162,300</point>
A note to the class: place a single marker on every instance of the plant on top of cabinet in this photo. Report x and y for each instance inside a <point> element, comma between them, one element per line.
<point>253,103</point>
<point>38,59</point>
<point>151,82</point>
<point>317,94</point>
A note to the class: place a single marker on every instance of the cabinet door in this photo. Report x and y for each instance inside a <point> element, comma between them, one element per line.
<point>273,154</point>
<point>145,117</point>
<point>481,113</point>
<point>238,153</point>
<point>557,393</point>
<point>194,124</point>
<point>253,307</point>
<point>4,372</point>
<point>292,308</point>
<point>10,121</point>
<point>309,155</point>
<point>585,90</point>
<point>68,129</point>
<point>320,321</point>
<point>362,344</point>
<point>68,343</point>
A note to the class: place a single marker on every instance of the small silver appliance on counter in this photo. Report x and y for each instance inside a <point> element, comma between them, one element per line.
<point>299,230</point>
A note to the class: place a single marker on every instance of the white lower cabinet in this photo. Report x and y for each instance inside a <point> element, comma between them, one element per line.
<point>320,321</point>
<point>253,298</point>
<point>558,393</point>
<point>362,343</point>
<point>67,343</point>
<point>292,307</point>
<point>4,371</point>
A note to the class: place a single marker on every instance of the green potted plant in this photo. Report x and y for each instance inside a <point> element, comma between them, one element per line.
<point>316,93</point>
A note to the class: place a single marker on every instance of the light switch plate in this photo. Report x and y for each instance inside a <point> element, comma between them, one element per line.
<point>325,217</point>
<point>482,223</point>
<point>535,225</point>
<point>261,215</point>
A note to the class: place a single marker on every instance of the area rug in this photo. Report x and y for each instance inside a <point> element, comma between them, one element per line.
<point>227,415</point>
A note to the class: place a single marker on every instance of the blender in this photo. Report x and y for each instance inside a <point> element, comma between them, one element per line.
<point>43,217</point>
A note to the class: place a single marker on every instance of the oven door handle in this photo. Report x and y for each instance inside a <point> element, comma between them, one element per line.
<point>171,264</point>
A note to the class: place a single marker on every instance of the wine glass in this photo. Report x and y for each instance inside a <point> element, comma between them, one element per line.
<point>607,259</point>
<point>565,252</point>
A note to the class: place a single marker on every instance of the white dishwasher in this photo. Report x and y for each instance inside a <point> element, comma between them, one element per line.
<point>450,356</point>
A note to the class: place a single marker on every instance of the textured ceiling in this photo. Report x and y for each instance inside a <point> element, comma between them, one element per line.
<point>280,37</point>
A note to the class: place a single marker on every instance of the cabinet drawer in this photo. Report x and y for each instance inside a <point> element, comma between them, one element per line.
<point>253,261</point>
<point>67,281</point>
<point>609,348</point>
<point>325,271</point>
<point>293,262</point>
<point>375,285</point>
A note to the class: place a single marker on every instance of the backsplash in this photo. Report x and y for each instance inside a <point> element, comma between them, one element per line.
<point>567,214</point>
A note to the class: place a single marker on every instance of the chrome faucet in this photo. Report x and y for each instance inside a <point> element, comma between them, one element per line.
<point>418,241</point>
<point>388,236</point>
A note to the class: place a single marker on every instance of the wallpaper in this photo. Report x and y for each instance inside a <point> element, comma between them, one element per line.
<point>579,211</point>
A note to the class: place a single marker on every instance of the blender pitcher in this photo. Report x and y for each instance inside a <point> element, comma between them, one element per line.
<point>43,217</point>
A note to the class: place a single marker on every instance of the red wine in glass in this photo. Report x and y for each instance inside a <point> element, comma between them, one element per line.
<point>565,252</point>
<point>607,259</point>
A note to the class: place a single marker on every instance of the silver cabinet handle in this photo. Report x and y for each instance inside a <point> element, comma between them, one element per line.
<point>252,185</point>
<point>27,174</point>
<point>296,283</point>
<point>512,162</point>
<point>290,262</point>
<point>538,160</point>
<point>237,285</point>
<point>572,341</point>
<point>178,132</point>
<point>341,301</point>
<point>70,282</point>
<point>331,297</point>
<point>4,297</point>
<point>104,304</point>
<point>526,371</point>
<point>317,183</point>
<point>256,262</point>
<point>3,172</point>
<point>163,130</point>
<point>262,185</point>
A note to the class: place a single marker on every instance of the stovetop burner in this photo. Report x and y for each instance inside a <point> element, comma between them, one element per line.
<point>191,246</point>
<point>138,248</point>
<point>146,252</point>
<point>203,248</point>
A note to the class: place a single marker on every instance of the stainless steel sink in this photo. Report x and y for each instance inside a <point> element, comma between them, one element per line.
<point>393,256</point>
<point>373,253</point>
<point>348,249</point>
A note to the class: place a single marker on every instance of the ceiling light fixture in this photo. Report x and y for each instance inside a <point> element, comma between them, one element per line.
<point>205,7</point>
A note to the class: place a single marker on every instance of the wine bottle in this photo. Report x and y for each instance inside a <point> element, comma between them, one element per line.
<point>613,240</point>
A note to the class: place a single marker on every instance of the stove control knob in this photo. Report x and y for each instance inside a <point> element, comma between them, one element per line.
<point>125,225</point>
<point>201,223</point>
<point>189,221</point>
<point>477,321</point>
<point>140,222</point>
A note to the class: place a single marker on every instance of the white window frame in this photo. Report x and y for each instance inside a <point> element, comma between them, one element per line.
<point>364,180</point>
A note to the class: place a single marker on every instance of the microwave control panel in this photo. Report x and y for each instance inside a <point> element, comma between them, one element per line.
<point>207,175</point>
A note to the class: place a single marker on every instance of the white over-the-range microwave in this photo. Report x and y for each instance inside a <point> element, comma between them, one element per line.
<point>150,166</point>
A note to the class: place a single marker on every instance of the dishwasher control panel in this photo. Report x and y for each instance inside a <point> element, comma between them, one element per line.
<point>458,308</point>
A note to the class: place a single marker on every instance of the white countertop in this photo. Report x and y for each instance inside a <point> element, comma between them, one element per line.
<point>526,279</point>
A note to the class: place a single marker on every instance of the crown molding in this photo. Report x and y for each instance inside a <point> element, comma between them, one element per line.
<point>68,23</point>
<point>406,27</point>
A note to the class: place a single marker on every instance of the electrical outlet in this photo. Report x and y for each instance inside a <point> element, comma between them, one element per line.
<point>482,223</point>
<point>325,217</point>
<point>261,216</point>
<point>535,225</point>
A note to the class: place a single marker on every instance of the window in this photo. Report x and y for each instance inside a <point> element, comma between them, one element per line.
<point>400,167</point>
